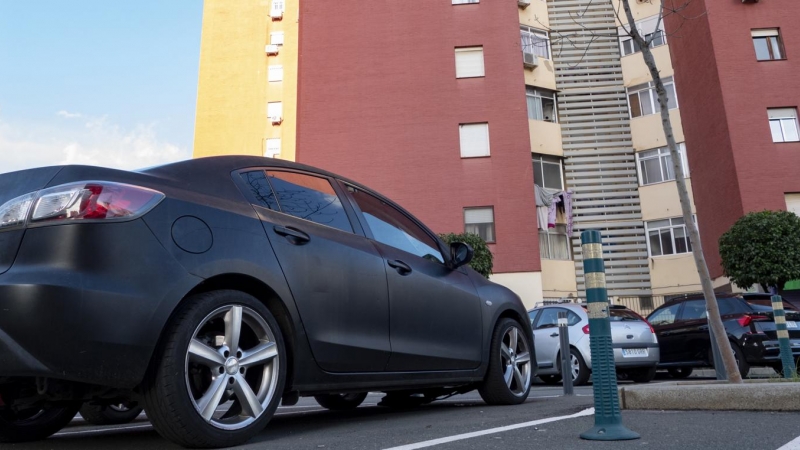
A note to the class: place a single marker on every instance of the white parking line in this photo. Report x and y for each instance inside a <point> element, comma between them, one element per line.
<point>459,437</point>
<point>794,445</point>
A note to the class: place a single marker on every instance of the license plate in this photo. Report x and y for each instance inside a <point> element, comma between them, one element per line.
<point>791,324</point>
<point>634,352</point>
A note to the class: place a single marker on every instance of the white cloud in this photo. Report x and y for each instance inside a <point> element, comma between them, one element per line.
<point>92,141</point>
<point>69,115</point>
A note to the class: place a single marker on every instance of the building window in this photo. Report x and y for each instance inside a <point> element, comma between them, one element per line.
<point>275,73</point>
<point>275,112</point>
<point>469,62</point>
<point>792,203</point>
<point>629,46</point>
<point>655,166</point>
<point>464,2</point>
<point>273,148</point>
<point>541,104</point>
<point>480,221</point>
<point>277,8</point>
<point>767,43</point>
<point>554,243</point>
<point>276,38</point>
<point>667,237</point>
<point>474,139</point>
<point>783,124</point>
<point>547,172</point>
<point>535,42</point>
<point>643,99</point>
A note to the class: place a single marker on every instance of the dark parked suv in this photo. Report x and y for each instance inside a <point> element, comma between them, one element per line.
<point>682,330</point>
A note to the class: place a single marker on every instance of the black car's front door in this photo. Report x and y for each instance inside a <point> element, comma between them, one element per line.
<point>664,321</point>
<point>336,276</point>
<point>435,312</point>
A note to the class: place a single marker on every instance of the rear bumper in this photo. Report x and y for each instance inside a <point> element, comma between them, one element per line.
<point>759,350</point>
<point>620,360</point>
<point>87,303</point>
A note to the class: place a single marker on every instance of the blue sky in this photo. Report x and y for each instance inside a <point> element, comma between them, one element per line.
<point>104,82</point>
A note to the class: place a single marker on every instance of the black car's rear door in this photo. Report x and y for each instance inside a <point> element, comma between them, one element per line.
<point>664,322</point>
<point>336,275</point>
<point>435,312</point>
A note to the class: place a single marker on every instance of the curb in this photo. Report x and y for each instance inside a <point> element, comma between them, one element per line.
<point>755,395</point>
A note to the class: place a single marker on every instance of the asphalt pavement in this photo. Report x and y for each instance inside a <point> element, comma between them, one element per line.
<point>547,420</point>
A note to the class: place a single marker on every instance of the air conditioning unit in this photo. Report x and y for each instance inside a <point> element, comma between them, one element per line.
<point>271,49</point>
<point>530,60</point>
<point>276,119</point>
<point>276,14</point>
<point>523,3</point>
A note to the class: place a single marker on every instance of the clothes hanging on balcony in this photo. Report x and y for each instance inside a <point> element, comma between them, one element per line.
<point>544,198</point>
<point>568,210</point>
<point>551,211</point>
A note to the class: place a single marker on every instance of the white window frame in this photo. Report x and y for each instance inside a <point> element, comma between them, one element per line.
<point>272,147</point>
<point>661,153</point>
<point>275,73</point>
<point>470,50</point>
<point>277,8</point>
<point>546,236</point>
<point>785,116</point>
<point>463,134</point>
<point>534,92</point>
<point>649,89</point>
<point>275,109</point>
<point>550,160</point>
<point>534,34</point>
<point>277,38</point>
<point>465,2</point>
<point>490,209</point>
<point>671,227</point>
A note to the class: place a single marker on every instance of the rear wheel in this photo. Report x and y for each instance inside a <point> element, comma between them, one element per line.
<point>738,356</point>
<point>35,423</point>
<point>580,372</point>
<point>340,402</point>
<point>680,372</point>
<point>219,373</point>
<point>117,414</point>
<point>550,379</point>
<point>508,380</point>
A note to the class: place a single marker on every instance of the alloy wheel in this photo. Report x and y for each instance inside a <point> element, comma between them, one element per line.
<point>575,366</point>
<point>516,361</point>
<point>232,367</point>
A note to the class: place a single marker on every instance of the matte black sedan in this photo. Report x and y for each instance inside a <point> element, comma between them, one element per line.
<point>211,290</point>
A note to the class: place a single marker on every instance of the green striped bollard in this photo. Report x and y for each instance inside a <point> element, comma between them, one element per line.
<point>787,359</point>
<point>607,417</point>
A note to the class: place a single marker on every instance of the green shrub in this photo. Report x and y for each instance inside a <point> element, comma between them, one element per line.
<point>483,259</point>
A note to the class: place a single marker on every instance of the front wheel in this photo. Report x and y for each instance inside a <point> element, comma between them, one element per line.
<point>680,372</point>
<point>550,379</point>
<point>508,380</point>
<point>642,375</point>
<point>219,373</point>
<point>340,402</point>
<point>36,423</point>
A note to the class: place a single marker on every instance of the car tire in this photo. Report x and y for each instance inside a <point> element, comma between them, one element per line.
<point>35,424</point>
<point>680,372</point>
<point>550,379</point>
<point>580,371</point>
<point>738,355</point>
<point>110,414</point>
<point>202,363</point>
<point>642,375</point>
<point>508,378</point>
<point>340,402</point>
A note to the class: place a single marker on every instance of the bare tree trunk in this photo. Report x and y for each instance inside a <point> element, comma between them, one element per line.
<point>714,318</point>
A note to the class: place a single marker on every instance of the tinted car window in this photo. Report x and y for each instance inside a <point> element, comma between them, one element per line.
<point>391,227</point>
<point>260,190</point>
<point>694,310</point>
<point>547,319</point>
<point>664,316</point>
<point>532,315</point>
<point>310,198</point>
<point>621,315</point>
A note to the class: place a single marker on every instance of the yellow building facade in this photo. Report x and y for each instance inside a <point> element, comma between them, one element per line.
<point>247,86</point>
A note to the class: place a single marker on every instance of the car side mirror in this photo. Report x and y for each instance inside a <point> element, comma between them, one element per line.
<point>460,254</point>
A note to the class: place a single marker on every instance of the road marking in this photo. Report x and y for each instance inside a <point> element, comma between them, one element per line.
<point>794,445</point>
<point>103,430</point>
<point>459,437</point>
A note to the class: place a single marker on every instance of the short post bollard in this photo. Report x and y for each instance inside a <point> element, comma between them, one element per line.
<point>607,417</point>
<point>789,368</point>
<point>566,370</point>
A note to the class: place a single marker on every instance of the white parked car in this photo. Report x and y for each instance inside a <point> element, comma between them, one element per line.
<point>636,352</point>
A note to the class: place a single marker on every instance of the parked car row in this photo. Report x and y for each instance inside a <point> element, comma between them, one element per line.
<point>674,337</point>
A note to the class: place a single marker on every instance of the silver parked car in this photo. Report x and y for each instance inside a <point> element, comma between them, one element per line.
<point>636,351</point>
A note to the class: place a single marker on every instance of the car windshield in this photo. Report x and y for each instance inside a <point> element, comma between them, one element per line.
<point>623,315</point>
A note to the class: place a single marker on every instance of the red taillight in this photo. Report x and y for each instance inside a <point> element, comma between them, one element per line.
<point>585,329</point>
<point>747,320</point>
<point>93,201</point>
